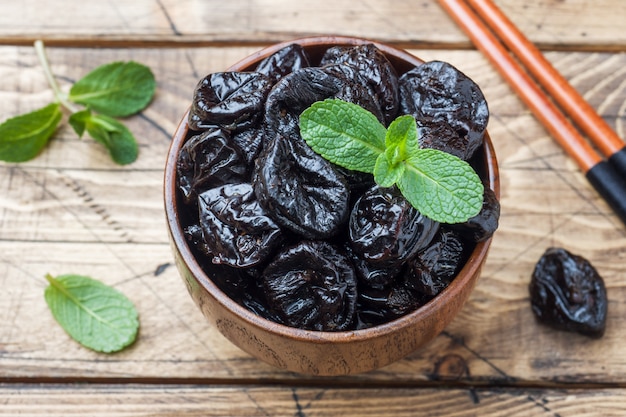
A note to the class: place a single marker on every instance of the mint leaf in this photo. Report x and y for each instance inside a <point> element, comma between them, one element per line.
<point>78,121</point>
<point>118,89</point>
<point>92,313</point>
<point>114,136</point>
<point>402,132</point>
<point>386,174</point>
<point>23,137</point>
<point>343,133</point>
<point>401,140</point>
<point>441,186</point>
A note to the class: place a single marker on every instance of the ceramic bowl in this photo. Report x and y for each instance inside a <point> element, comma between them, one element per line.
<point>314,352</point>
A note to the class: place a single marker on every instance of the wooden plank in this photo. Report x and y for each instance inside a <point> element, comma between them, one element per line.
<point>184,401</point>
<point>599,24</point>
<point>72,210</point>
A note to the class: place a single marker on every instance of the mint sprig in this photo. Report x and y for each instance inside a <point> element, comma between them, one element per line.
<point>439,185</point>
<point>114,90</point>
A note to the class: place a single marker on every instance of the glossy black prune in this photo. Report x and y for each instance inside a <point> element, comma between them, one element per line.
<point>450,109</point>
<point>284,61</point>
<point>385,229</point>
<point>297,91</point>
<point>236,229</point>
<point>300,189</point>
<point>230,100</point>
<point>378,306</point>
<point>312,286</point>
<point>293,94</point>
<point>567,293</point>
<point>374,67</point>
<point>482,226</point>
<point>436,266</point>
<point>372,275</point>
<point>249,142</point>
<point>208,160</point>
<point>355,89</point>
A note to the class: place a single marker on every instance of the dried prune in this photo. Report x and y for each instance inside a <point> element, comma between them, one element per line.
<point>284,61</point>
<point>236,229</point>
<point>385,229</point>
<point>450,109</point>
<point>230,100</point>
<point>566,292</point>
<point>208,160</point>
<point>249,142</point>
<point>372,275</point>
<point>377,306</point>
<point>300,189</point>
<point>312,286</point>
<point>374,67</point>
<point>355,89</point>
<point>482,226</point>
<point>293,94</point>
<point>434,268</point>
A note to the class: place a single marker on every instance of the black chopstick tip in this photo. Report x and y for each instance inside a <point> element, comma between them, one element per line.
<point>618,162</point>
<point>610,185</point>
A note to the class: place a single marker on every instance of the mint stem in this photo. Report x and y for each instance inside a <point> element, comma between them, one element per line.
<point>58,94</point>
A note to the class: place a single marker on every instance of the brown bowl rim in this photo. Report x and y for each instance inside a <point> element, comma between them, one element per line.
<point>471,267</point>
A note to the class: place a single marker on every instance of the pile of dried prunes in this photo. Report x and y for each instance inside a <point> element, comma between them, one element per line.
<point>301,241</point>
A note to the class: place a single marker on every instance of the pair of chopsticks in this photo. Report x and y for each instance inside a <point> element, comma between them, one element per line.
<point>483,22</point>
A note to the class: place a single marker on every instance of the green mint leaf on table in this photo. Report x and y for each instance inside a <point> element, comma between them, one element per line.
<point>78,121</point>
<point>108,131</point>
<point>343,133</point>
<point>118,89</point>
<point>439,185</point>
<point>114,136</point>
<point>92,313</point>
<point>23,137</point>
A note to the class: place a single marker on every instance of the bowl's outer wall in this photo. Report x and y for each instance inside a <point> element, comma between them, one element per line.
<point>320,353</point>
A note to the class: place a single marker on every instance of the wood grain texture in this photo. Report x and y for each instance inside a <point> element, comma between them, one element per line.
<point>118,22</point>
<point>71,210</point>
<point>197,400</point>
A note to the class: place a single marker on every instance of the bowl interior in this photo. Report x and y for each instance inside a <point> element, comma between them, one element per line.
<point>485,164</point>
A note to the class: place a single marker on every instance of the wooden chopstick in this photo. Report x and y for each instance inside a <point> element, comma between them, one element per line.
<point>573,104</point>
<point>600,174</point>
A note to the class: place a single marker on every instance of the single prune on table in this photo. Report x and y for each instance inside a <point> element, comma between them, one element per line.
<point>312,286</point>
<point>236,229</point>
<point>300,189</point>
<point>373,67</point>
<point>567,293</point>
<point>385,229</point>
<point>208,160</point>
<point>482,226</point>
<point>450,109</point>
<point>436,266</point>
<point>230,100</point>
<point>284,61</point>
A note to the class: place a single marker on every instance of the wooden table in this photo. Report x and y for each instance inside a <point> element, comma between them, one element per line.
<point>71,210</point>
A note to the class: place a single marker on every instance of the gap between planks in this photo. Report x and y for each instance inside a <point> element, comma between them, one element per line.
<point>203,42</point>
